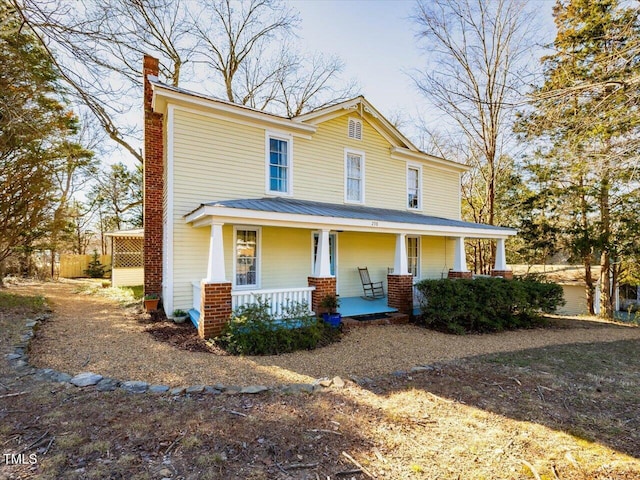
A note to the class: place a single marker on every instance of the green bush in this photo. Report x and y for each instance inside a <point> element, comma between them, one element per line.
<point>95,268</point>
<point>486,304</point>
<point>252,330</point>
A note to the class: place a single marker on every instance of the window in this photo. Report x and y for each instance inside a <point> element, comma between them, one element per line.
<point>413,255</point>
<point>354,177</point>
<point>414,190</point>
<point>247,256</point>
<point>278,165</point>
<point>355,129</point>
<point>332,251</point>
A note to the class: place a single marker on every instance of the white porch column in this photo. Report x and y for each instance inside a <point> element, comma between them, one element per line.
<point>400,265</point>
<point>215,268</point>
<point>322,267</point>
<point>501,259</point>
<point>460,256</point>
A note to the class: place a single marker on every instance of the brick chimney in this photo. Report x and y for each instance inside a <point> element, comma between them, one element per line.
<point>153,185</point>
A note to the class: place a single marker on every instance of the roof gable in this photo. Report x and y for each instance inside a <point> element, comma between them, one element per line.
<point>302,125</point>
<point>361,107</point>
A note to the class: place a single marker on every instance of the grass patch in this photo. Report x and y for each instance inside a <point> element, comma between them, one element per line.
<point>14,300</point>
<point>99,446</point>
<point>123,295</point>
<point>69,441</point>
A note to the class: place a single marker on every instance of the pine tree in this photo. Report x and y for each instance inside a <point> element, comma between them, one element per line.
<point>34,126</point>
<point>586,117</point>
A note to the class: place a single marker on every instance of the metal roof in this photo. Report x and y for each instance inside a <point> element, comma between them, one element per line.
<point>305,207</point>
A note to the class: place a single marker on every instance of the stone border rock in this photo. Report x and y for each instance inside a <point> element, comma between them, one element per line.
<point>19,360</point>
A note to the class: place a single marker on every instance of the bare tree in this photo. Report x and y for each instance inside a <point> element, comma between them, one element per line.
<point>242,47</point>
<point>97,47</point>
<point>235,34</point>
<point>249,45</point>
<point>477,49</point>
<point>309,85</point>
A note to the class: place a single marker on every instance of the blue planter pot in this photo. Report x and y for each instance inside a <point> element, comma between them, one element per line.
<point>333,319</point>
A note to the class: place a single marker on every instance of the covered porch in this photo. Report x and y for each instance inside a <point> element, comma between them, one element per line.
<point>286,250</point>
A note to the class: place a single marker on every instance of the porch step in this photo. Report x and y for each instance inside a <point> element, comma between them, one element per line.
<point>194,316</point>
<point>389,319</point>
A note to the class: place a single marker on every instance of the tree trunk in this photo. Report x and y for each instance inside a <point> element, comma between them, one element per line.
<point>589,288</point>
<point>586,249</point>
<point>606,309</point>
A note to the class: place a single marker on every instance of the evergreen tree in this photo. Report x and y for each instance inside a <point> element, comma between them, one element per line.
<point>34,129</point>
<point>586,117</point>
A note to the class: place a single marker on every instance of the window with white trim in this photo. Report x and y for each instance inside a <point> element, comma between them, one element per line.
<point>413,256</point>
<point>354,177</point>
<point>246,257</point>
<point>355,129</point>
<point>278,164</point>
<point>414,187</point>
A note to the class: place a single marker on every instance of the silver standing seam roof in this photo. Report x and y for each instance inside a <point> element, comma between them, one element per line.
<point>305,207</point>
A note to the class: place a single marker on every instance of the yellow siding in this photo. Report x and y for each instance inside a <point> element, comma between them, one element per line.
<point>127,277</point>
<point>320,168</point>
<point>286,257</point>
<point>215,159</point>
<point>190,256</point>
<point>575,296</point>
<point>208,153</point>
<point>436,257</point>
<point>441,197</point>
<point>376,251</point>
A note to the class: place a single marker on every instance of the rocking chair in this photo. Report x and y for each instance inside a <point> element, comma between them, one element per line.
<point>372,290</point>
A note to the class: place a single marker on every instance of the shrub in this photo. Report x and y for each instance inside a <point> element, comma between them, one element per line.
<point>252,330</point>
<point>486,304</point>
<point>95,268</point>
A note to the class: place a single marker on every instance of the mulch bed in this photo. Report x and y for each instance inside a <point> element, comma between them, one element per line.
<point>180,335</point>
<point>184,336</point>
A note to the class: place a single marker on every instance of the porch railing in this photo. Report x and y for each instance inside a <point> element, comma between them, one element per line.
<point>196,295</point>
<point>278,298</point>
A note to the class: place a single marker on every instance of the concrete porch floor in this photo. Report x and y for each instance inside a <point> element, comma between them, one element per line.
<point>352,306</point>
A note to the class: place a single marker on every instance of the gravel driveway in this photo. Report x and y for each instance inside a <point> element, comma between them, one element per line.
<point>91,333</point>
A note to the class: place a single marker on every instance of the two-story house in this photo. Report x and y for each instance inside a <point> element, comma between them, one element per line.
<point>240,202</point>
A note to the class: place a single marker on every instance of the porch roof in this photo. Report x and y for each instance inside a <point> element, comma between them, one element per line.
<point>279,211</point>
<point>133,233</point>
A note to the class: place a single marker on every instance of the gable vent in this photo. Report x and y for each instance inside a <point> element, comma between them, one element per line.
<point>355,129</point>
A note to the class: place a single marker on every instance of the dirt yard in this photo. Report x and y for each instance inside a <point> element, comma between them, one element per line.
<point>92,334</point>
<point>560,403</point>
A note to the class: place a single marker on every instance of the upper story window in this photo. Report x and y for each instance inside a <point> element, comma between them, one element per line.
<point>414,187</point>
<point>354,176</point>
<point>278,164</point>
<point>355,129</point>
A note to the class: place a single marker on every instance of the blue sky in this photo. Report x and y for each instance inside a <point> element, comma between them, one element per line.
<point>376,40</point>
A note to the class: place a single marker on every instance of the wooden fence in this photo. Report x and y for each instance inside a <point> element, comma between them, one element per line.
<point>73,266</point>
